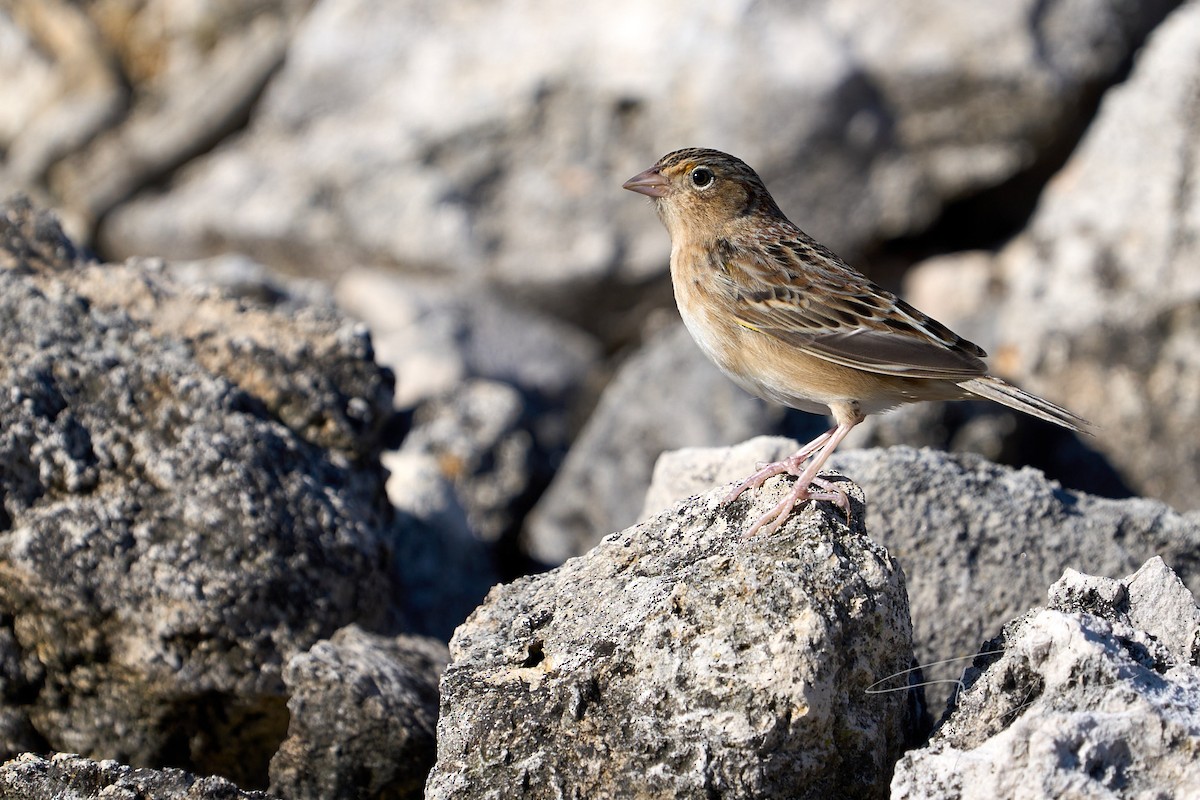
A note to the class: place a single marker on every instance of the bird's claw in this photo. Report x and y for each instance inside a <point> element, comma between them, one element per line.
<point>773,520</point>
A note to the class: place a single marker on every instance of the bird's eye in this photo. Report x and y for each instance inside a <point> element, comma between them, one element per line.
<point>702,177</point>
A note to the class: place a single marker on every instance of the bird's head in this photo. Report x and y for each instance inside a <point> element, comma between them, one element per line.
<point>702,190</point>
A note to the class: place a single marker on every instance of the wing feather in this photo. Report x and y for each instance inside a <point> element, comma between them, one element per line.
<point>804,295</point>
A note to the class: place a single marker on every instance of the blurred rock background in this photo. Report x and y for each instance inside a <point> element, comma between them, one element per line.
<point>449,174</point>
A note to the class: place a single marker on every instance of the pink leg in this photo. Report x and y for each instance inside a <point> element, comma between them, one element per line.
<point>819,451</point>
<point>790,465</point>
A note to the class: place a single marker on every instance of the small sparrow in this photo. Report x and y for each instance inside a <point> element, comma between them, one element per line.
<point>791,322</point>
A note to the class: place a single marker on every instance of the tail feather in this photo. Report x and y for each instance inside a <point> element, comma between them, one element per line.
<point>1009,395</point>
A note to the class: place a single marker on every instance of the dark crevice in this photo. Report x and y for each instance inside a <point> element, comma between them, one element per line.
<point>534,655</point>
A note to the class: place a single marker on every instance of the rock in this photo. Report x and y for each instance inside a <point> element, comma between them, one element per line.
<point>680,659</point>
<point>191,496</point>
<point>492,385</point>
<point>1095,305</point>
<point>61,88</point>
<point>978,542</point>
<point>447,569</point>
<point>479,436</point>
<point>665,396</point>
<point>435,334</point>
<point>202,96</point>
<point>688,471</point>
<point>20,675</point>
<point>1161,605</point>
<point>1078,703</point>
<point>238,276</point>
<point>70,777</point>
<point>363,716</point>
<point>112,97</point>
<point>398,130</point>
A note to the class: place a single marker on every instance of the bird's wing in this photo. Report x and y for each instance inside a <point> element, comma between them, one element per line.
<point>805,295</point>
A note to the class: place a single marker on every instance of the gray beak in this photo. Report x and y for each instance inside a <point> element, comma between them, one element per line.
<point>650,183</point>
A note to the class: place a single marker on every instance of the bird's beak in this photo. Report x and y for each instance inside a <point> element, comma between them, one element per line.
<point>650,183</point>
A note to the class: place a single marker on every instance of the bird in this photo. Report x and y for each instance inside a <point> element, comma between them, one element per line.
<point>791,322</point>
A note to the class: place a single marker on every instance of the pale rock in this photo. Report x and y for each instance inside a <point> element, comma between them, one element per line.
<point>978,542</point>
<point>1069,702</point>
<point>677,659</point>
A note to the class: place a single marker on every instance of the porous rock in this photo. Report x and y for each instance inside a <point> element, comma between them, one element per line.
<point>1095,695</point>
<point>65,776</point>
<point>182,511</point>
<point>978,542</point>
<point>678,659</point>
<point>1097,304</point>
<point>363,715</point>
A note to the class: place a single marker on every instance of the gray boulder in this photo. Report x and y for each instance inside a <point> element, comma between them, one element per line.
<point>190,496</point>
<point>1096,695</point>
<point>363,714</point>
<point>978,542</point>
<point>70,777</point>
<point>1095,304</point>
<point>677,659</point>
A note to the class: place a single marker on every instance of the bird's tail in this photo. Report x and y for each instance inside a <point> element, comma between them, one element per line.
<point>1021,400</point>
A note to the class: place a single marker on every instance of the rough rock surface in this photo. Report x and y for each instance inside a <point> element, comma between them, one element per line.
<point>677,659</point>
<point>978,542</point>
<point>1097,303</point>
<point>399,132</point>
<point>71,777</point>
<point>363,716</point>
<point>1096,695</point>
<point>182,508</point>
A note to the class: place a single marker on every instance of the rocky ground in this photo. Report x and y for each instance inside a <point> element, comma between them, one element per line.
<point>338,374</point>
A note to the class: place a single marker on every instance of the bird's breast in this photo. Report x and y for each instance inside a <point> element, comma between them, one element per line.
<point>758,362</point>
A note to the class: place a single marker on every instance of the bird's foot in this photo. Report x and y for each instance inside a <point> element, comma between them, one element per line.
<point>792,465</point>
<point>800,492</point>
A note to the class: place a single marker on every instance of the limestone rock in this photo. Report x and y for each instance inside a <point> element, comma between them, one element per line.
<point>70,777</point>
<point>678,659</point>
<point>363,713</point>
<point>978,542</point>
<point>1074,702</point>
<point>189,498</point>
